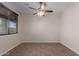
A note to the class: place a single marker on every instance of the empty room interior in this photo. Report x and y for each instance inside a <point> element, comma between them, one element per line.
<point>39,28</point>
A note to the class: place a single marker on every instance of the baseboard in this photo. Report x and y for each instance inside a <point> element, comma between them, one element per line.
<point>40,42</point>
<point>9,49</point>
<point>70,48</point>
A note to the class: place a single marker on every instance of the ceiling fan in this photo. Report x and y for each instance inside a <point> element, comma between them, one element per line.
<point>42,9</point>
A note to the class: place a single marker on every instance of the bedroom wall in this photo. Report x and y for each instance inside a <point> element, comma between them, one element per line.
<point>8,42</point>
<point>70,27</point>
<point>40,29</point>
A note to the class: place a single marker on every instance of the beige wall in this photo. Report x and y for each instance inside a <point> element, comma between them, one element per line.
<point>40,29</point>
<point>7,42</point>
<point>70,27</point>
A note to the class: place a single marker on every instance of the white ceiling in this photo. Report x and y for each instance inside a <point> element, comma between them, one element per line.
<point>57,7</point>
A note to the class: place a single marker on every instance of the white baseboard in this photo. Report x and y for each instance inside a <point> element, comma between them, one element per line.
<point>9,49</point>
<point>69,48</point>
<point>40,41</point>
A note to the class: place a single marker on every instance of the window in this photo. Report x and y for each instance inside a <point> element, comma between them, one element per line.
<point>8,21</point>
<point>12,26</point>
<point>3,26</point>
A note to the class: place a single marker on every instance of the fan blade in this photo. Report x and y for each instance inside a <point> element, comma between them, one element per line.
<point>32,8</point>
<point>34,13</point>
<point>40,2</point>
<point>48,10</point>
<point>43,15</point>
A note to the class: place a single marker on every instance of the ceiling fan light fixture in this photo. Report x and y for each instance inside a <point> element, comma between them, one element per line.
<point>40,13</point>
<point>42,9</point>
